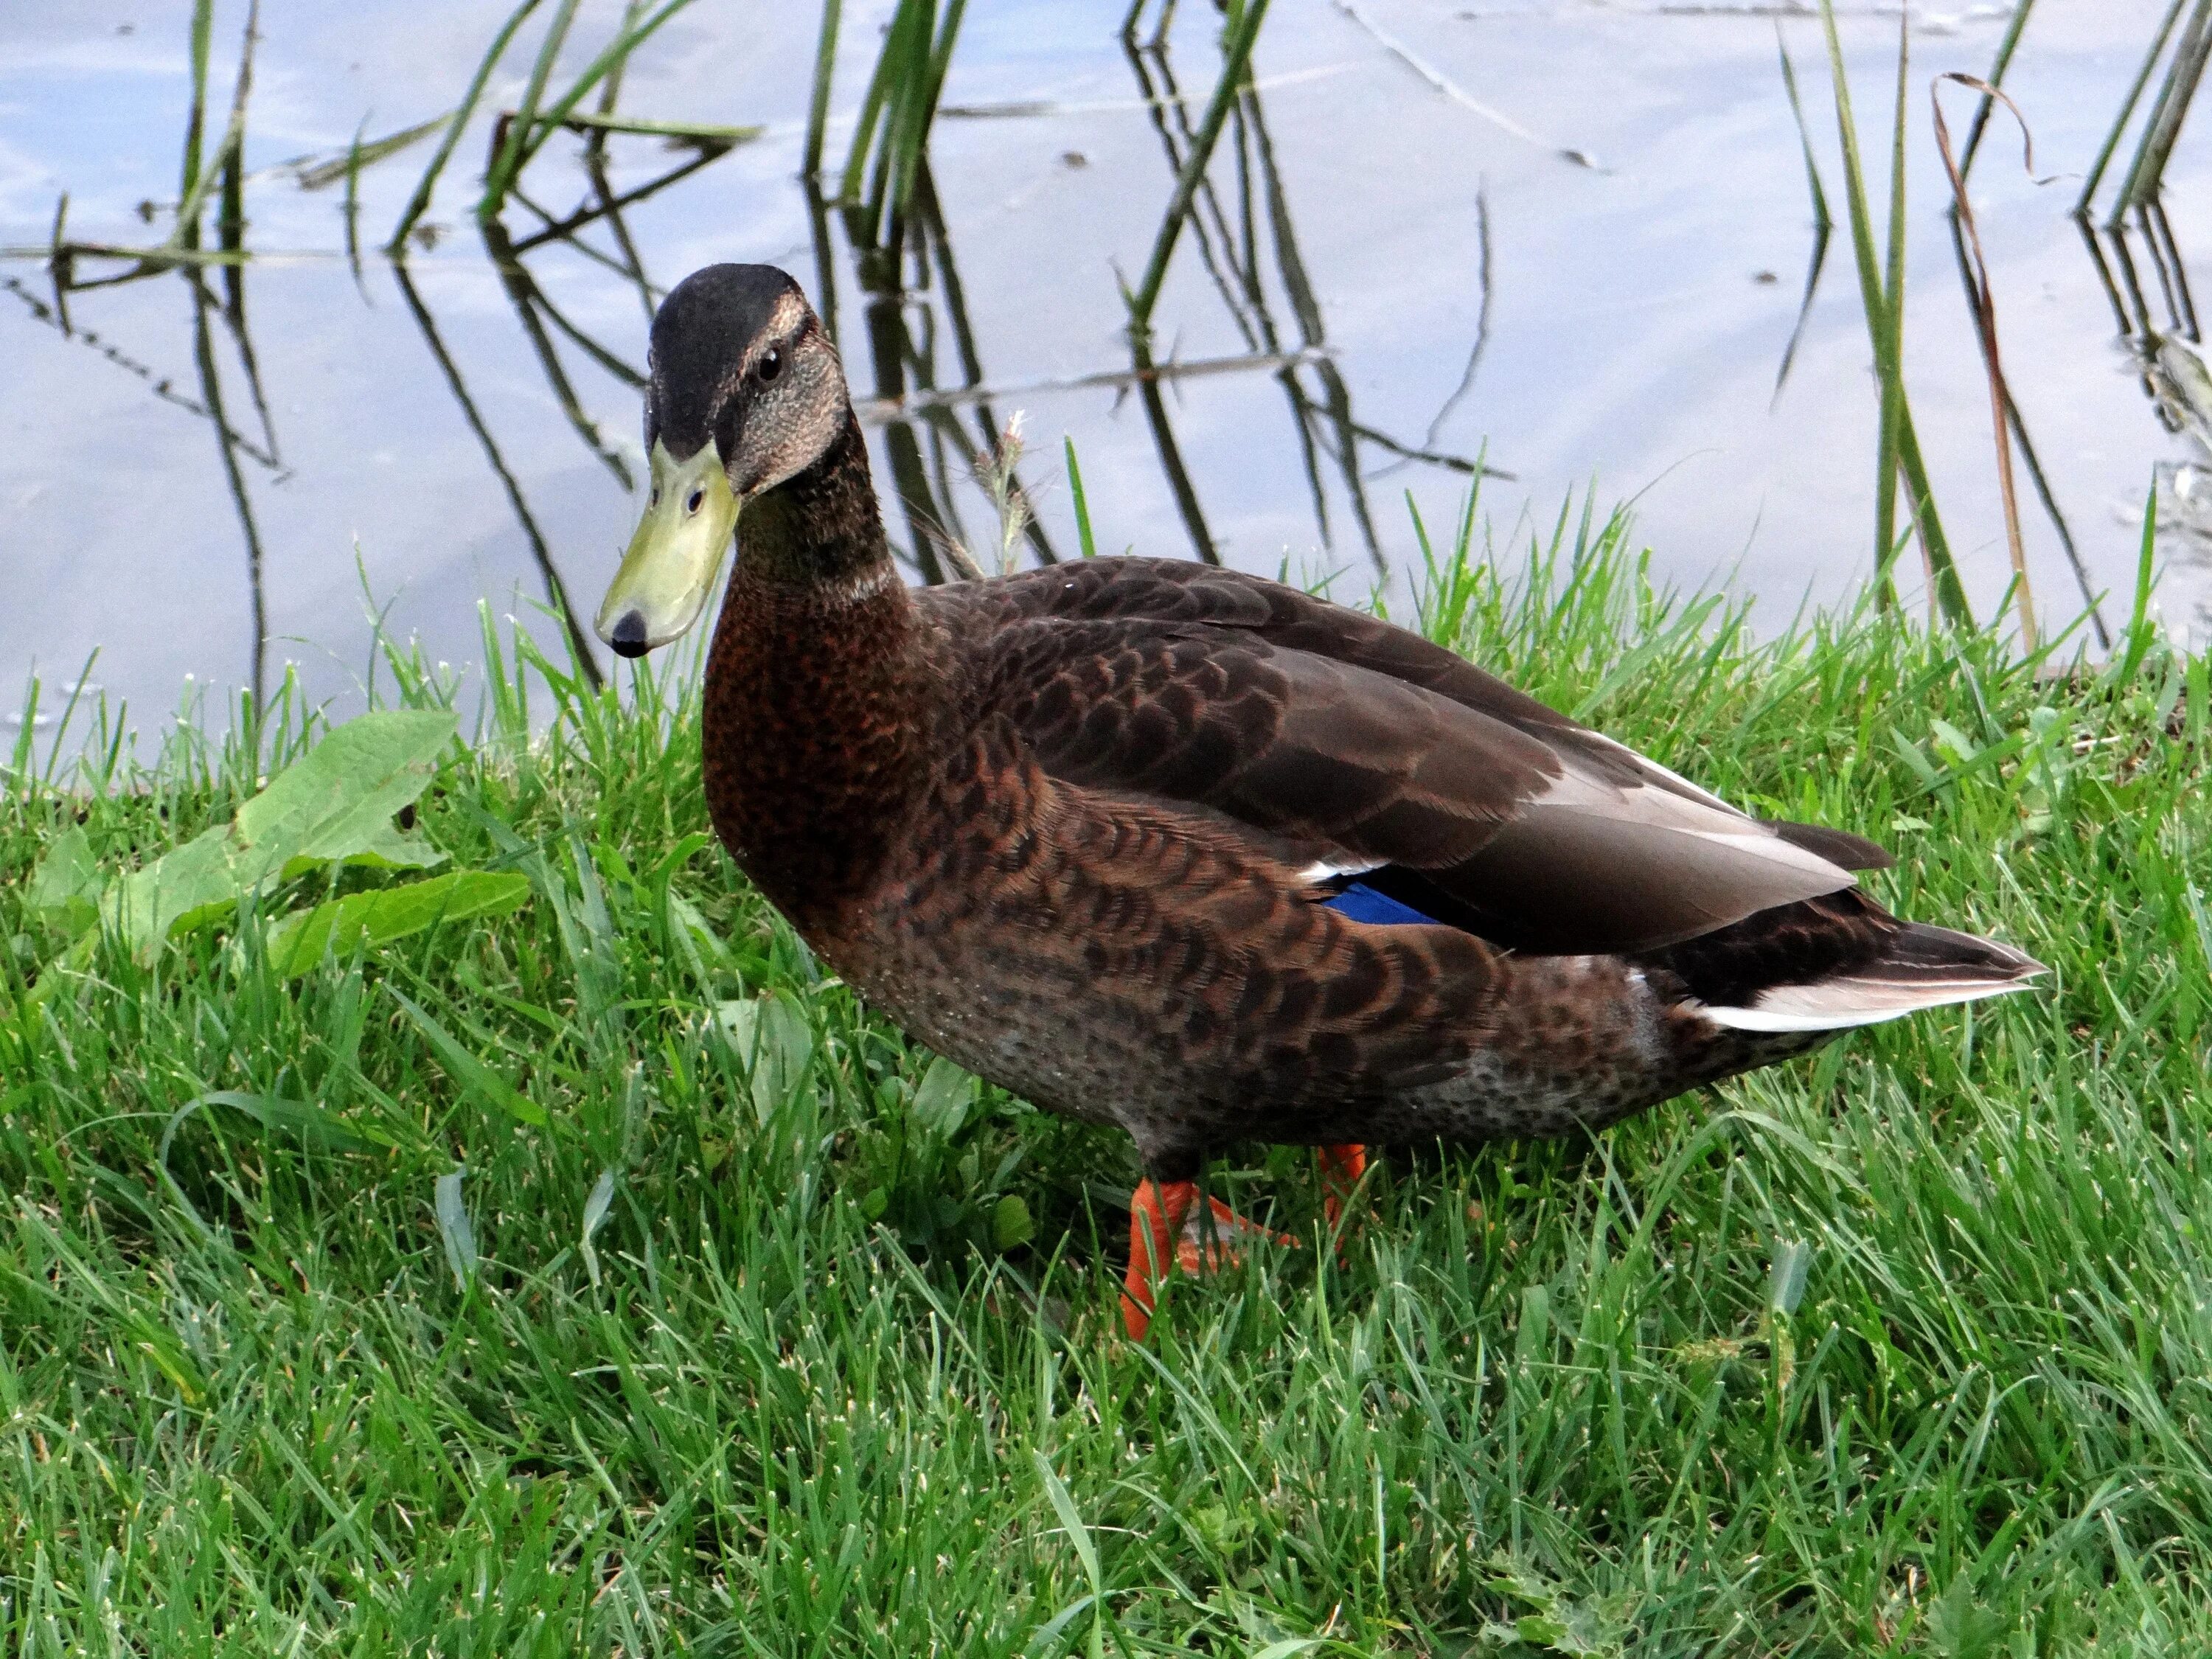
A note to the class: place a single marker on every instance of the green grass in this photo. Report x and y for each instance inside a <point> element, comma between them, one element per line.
<point>1903,1348</point>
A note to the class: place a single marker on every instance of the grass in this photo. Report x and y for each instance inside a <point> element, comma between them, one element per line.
<point>2163,125</point>
<point>1242,30</point>
<point>1881,292</point>
<point>519,137</point>
<point>1981,299</point>
<point>777,1340</point>
<point>890,133</point>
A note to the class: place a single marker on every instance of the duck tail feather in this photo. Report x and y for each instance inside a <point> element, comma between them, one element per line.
<point>1919,967</point>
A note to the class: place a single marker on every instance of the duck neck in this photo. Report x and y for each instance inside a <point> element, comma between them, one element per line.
<point>821,528</point>
<point>817,692</point>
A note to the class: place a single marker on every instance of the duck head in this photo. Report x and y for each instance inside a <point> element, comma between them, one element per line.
<point>744,393</point>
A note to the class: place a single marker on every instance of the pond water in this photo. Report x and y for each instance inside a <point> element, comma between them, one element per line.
<point>1568,239</point>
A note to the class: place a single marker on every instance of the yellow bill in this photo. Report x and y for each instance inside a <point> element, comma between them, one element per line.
<point>668,574</point>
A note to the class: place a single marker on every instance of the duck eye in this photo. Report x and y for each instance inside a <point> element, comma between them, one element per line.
<point>771,366</point>
<point>692,504</point>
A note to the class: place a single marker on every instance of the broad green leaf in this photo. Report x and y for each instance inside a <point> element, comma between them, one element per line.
<point>467,1070</point>
<point>1593,1629</point>
<point>1954,739</point>
<point>296,943</point>
<point>1785,1275</point>
<point>390,847</point>
<point>1010,1223</point>
<point>65,889</point>
<point>335,803</point>
<point>185,885</point>
<point>942,1098</point>
<point>337,800</point>
<point>775,1042</point>
<point>395,850</point>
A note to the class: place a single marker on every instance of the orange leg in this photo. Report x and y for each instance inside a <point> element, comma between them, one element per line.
<point>1156,1214</point>
<point>1164,1236</point>
<point>1340,1169</point>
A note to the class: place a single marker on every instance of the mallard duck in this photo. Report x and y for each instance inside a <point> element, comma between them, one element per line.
<point>1159,845</point>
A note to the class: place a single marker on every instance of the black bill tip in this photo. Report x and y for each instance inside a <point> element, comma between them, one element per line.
<point>628,636</point>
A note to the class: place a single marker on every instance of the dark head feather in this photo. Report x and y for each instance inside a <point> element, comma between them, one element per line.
<point>738,358</point>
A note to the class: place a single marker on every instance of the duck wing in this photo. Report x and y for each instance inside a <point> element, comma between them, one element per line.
<point>1344,746</point>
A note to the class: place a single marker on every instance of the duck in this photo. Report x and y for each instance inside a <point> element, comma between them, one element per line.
<point>1165,847</point>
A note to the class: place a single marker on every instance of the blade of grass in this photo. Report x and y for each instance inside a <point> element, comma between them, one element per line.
<point>1875,301</point>
<point>513,146</point>
<point>1983,300</point>
<point>61,725</point>
<point>818,106</point>
<point>541,127</point>
<point>2175,94</point>
<point>467,1071</point>
<point>1237,54</point>
<point>1086,1549</point>
<point>458,1236</point>
<point>700,132</point>
<point>1082,503</point>
<point>230,217</point>
<point>1893,286</point>
<point>611,89</point>
<point>1815,266</point>
<point>361,153</point>
<point>188,183</point>
<point>2127,108</point>
<point>1820,217</point>
<point>2139,631</point>
<point>2174,270</point>
<point>351,209</point>
<point>872,104</point>
<point>1881,295</point>
<point>907,128</point>
<point>940,59</point>
<point>890,136</point>
<point>225,161</point>
<point>921,115</point>
<point>419,203</point>
<point>1998,65</point>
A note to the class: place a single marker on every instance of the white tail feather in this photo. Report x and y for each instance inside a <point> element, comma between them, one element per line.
<point>1837,1004</point>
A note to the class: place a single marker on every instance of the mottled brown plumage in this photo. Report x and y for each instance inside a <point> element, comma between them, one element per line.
<point>1087,830</point>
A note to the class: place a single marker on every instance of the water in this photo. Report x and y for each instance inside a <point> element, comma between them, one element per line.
<point>1392,285</point>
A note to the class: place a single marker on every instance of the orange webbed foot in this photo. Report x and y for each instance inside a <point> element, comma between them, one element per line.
<point>1167,1231</point>
<point>1341,1167</point>
<point>1156,1216</point>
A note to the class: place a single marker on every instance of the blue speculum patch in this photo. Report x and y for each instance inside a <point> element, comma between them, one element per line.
<point>1365,904</point>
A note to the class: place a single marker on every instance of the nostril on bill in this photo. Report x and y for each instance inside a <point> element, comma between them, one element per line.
<point>628,636</point>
